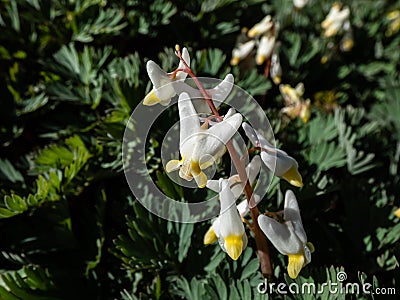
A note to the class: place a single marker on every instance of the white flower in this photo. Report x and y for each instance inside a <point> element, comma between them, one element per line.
<point>289,237</point>
<point>335,19</point>
<point>228,228</point>
<point>241,51</point>
<point>262,27</point>
<point>200,147</point>
<point>276,69</point>
<point>218,94</point>
<point>265,48</point>
<point>292,95</point>
<point>295,105</point>
<point>299,3</point>
<point>347,42</point>
<point>163,90</point>
<point>276,160</point>
<point>237,186</point>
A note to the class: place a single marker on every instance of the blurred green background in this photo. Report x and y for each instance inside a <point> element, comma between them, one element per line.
<point>73,71</point>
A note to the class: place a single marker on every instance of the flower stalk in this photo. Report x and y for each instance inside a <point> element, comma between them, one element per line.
<point>261,241</point>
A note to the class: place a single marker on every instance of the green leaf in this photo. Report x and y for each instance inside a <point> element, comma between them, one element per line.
<point>9,172</point>
<point>250,269</point>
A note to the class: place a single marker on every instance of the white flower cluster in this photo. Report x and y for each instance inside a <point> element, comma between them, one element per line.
<point>202,144</point>
<point>336,21</point>
<point>262,35</point>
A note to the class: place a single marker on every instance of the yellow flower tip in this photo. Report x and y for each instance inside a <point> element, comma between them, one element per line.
<point>393,15</point>
<point>201,180</point>
<point>388,33</point>
<point>311,247</point>
<point>234,246</point>
<point>296,263</point>
<point>324,59</point>
<point>286,89</point>
<point>235,60</point>
<point>260,59</point>
<point>151,99</point>
<point>347,45</point>
<point>327,23</point>
<point>172,165</point>
<point>210,236</point>
<point>177,48</point>
<point>293,177</point>
<point>397,213</point>
<point>305,111</point>
<point>277,79</point>
<point>395,26</point>
<point>245,30</point>
<point>252,33</point>
<point>337,5</point>
<point>330,32</point>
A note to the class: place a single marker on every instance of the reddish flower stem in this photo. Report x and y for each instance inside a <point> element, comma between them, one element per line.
<point>261,241</point>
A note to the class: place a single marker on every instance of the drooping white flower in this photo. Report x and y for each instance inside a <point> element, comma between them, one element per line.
<point>278,161</point>
<point>292,95</point>
<point>335,19</point>
<point>242,51</point>
<point>347,42</point>
<point>265,48</point>
<point>261,27</point>
<point>228,228</point>
<point>295,105</point>
<point>163,91</point>
<point>394,26</point>
<point>276,68</point>
<point>200,147</point>
<point>289,237</point>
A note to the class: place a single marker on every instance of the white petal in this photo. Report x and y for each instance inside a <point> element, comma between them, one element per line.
<point>216,227</point>
<point>275,159</point>
<point>299,3</point>
<point>226,196</point>
<point>299,89</point>
<point>227,128</point>
<point>186,58</point>
<point>222,90</point>
<point>243,208</point>
<point>292,214</point>
<point>219,134</point>
<point>343,14</point>
<point>278,162</point>
<point>230,220</point>
<point>276,68</point>
<point>163,88</point>
<point>243,49</point>
<point>262,27</point>
<point>284,240</point>
<point>256,138</point>
<point>213,185</point>
<point>265,48</point>
<point>189,123</point>
<point>230,113</point>
<point>157,75</point>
